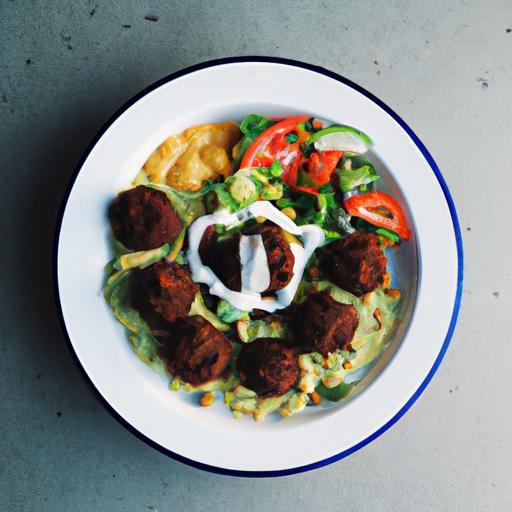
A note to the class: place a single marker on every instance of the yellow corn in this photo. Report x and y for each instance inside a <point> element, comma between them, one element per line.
<point>289,212</point>
<point>289,238</point>
<point>260,219</point>
<point>394,293</point>
<point>207,399</point>
<point>315,398</point>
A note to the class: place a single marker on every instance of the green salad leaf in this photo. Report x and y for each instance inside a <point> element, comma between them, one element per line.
<point>144,344</point>
<point>333,394</point>
<point>199,308</point>
<point>254,124</point>
<point>229,314</point>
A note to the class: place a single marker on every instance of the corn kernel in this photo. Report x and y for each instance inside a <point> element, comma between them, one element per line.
<point>175,385</point>
<point>260,219</point>
<point>237,415</point>
<point>315,398</point>
<point>207,399</point>
<point>331,382</point>
<point>394,293</point>
<point>289,212</point>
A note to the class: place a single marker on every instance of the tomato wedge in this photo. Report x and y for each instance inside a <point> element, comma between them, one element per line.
<point>379,209</point>
<point>290,175</point>
<point>322,165</point>
<point>264,139</point>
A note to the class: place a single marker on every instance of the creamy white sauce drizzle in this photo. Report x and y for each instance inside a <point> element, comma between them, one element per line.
<point>254,264</point>
<point>248,299</point>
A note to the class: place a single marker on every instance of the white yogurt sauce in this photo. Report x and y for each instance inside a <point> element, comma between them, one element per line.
<point>255,273</point>
<point>253,283</point>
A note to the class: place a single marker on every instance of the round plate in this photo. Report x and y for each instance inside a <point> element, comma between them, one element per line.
<point>209,438</point>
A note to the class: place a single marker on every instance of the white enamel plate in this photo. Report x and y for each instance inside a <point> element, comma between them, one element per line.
<point>428,270</point>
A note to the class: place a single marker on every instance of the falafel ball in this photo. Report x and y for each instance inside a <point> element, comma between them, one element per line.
<point>198,352</point>
<point>326,325</point>
<point>222,257</point>
<point>279,256</point>
<point>142,218</point>
<point>168,287</point>
<point>355,263</point>
<point>268,366</point>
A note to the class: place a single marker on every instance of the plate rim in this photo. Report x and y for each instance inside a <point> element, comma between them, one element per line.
<point>432,164</point>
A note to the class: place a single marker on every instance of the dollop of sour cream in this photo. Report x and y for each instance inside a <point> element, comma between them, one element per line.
<point>255,273</point>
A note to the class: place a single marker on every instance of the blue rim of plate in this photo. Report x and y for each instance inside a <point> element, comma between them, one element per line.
<point>456,229</point>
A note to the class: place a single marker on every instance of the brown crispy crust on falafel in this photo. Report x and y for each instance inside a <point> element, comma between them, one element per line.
<point>326,325</point>
<point>355,263</point>
<point>142,218</point>
<point>197,352</point>
<point>268,366</point>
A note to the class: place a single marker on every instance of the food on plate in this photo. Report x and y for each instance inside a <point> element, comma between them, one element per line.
<point>326,325</point>
<point>168,288</point>
<point>198,154</point>
<point>280,257</point>
<point>197,352</point>
<point>252,261</point>
<point>222,257</point>
<point>268,366</point>
<point>142,218</point>
<point>355,263</point>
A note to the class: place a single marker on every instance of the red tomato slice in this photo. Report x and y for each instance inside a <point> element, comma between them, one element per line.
<point>380,210</point>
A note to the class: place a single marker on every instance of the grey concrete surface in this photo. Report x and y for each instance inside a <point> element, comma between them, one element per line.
<point>446,67</point>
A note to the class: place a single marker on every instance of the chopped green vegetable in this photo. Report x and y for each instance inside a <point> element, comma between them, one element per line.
<point>229,314</point>
<point>199,308</point>
<point>292,137</point>
<point>351,179</point>
<point>188,205</point>
<point>144,344</point>
<point>243,188</point>
<point>249,330</point>
<point>248,185</point>
<point>141,259</point>
<point>333,394</point>
<point>335,128</point>
<point>276,169</point>
<point>388,234</point>
<point>331,216</point>
<point>254,124</point>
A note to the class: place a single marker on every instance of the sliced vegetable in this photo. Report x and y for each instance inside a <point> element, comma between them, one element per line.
<point>229,314</point>
<point>254,124</point>
<point>141,259</point>
<point>331,217</point>
<point>199,308</point>
<point>177,245</point>
<point>333,394</point>
<point>251,127</point>
<point>270,141</point>
<point>249,330</point>
<point>379,209</point>
<point>339,137</point>
<point>144,344</point>
<point>393,237</point>
<point>351,179</point>
<point>248,185</point>
<point>320,166</point>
